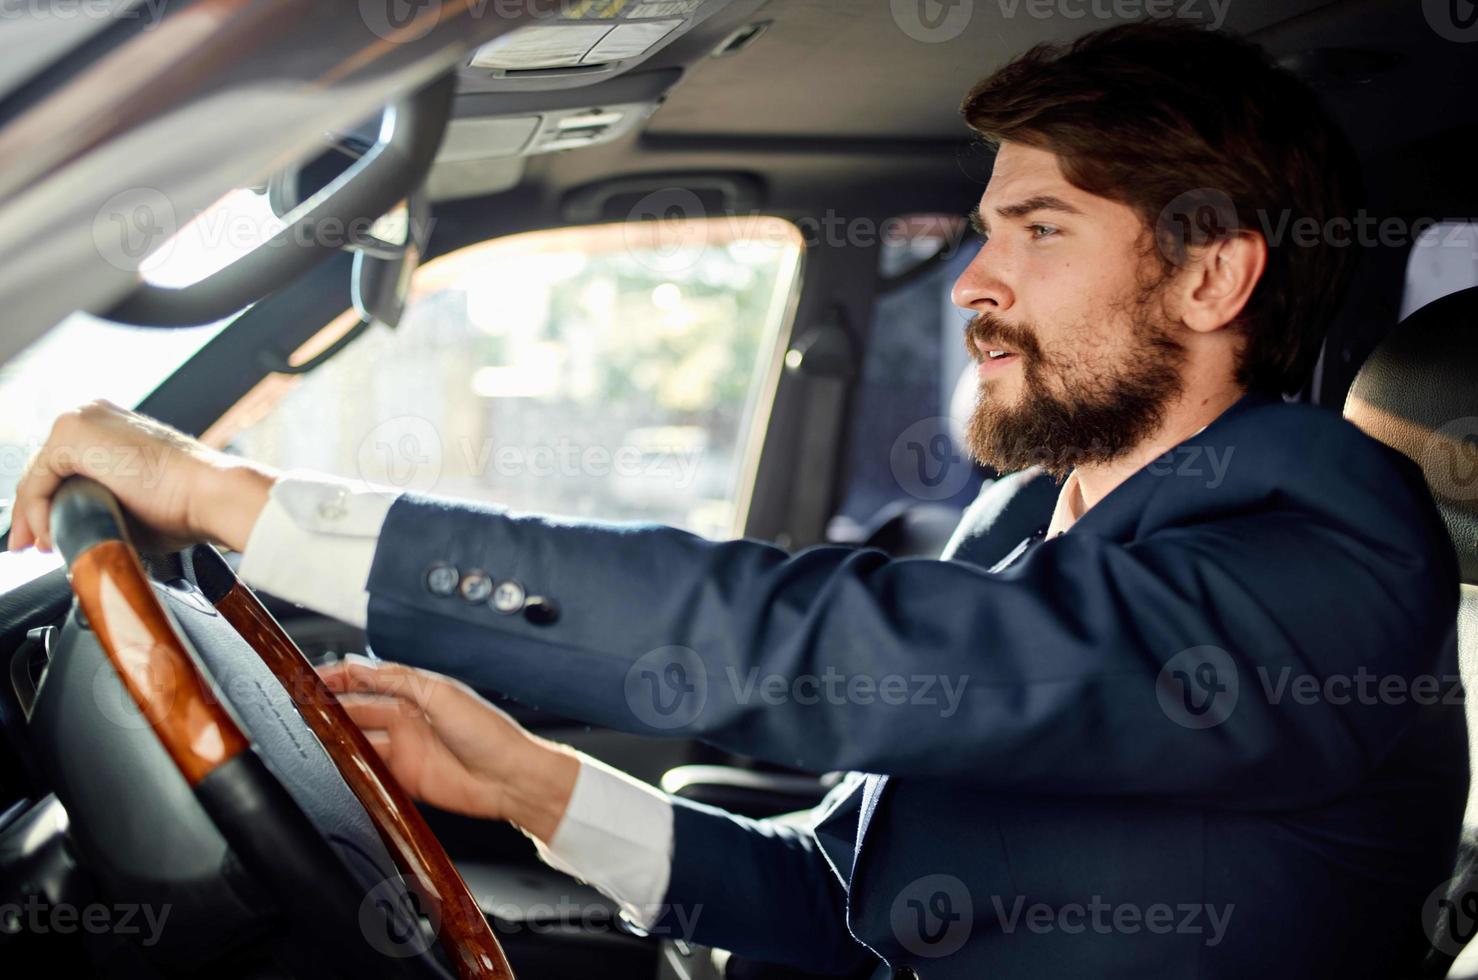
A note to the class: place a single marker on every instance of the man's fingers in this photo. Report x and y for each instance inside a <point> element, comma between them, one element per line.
<point>36,514</point>
<point>20,533</point>
<point>334,677</point>
<point>44,472</point>
<point>378,711</point>
<point>357,674</point>
<point>379,739</point>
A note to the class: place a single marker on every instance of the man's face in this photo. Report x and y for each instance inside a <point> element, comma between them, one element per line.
<point>1065,288</point>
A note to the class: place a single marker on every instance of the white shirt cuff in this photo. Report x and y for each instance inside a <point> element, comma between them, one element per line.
<point>616,835</point>
<point>315,541</point>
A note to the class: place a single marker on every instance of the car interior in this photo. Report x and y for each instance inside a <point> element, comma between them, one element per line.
<point>685,261</point>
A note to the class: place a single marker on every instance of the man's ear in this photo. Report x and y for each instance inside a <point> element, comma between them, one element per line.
<point>1219,280</point>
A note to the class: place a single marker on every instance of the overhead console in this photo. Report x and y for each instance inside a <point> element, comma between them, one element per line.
<point>581,42</point>
<point>585,73</point>
<point>490,135</point>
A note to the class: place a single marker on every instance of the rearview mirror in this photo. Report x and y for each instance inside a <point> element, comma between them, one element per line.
<point>386,250</point>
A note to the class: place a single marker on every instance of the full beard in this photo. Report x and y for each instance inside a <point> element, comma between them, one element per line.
<point>1106,408</point>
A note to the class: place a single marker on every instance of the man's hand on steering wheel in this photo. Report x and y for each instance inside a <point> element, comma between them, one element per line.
<point>442,742</point>
<point>451,748</point>
<point>180,488</point>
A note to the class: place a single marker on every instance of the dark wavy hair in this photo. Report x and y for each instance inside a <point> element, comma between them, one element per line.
<point>1205,137</point>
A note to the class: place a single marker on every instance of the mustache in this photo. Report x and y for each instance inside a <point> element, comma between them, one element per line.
<point>988,330</point>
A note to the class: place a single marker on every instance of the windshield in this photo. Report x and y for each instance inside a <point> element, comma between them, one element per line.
<point>80,359</point>
<point>85,357</point>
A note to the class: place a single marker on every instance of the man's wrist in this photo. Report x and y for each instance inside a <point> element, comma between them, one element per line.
<point>231,499</point>
<point>536,794</point>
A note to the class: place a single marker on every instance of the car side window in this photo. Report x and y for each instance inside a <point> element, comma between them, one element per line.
<point>1444,260</point>
<point>906,440</point>
<point>611,372</point>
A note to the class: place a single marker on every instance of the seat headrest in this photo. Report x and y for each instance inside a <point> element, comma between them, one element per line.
<point>1418,393</point>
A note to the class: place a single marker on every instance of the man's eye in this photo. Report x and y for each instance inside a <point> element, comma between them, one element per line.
<point>1042,231</point>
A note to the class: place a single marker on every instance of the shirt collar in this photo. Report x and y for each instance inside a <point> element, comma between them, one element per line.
<point>1070,498</point>
<point>1069,506</point>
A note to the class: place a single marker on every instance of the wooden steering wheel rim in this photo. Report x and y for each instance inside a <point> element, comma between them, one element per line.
<point>118,600</point>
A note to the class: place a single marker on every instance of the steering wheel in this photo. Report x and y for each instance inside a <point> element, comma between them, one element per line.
<point>236,782</point>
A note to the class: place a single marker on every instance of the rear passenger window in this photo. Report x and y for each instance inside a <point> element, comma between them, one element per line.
<point>906,448</point>
<point>1444,260</point>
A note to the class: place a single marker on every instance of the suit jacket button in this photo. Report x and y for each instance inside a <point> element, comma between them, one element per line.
<point>540,611</point>
<point>441,578</point>
<point>906,973</point>
<point>508,597</point>
<point>476,585</point>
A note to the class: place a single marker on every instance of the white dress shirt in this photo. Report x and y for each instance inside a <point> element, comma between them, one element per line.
<point>314,544</point>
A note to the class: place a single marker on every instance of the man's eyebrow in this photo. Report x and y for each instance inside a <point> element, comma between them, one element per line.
<point>1041,202</point>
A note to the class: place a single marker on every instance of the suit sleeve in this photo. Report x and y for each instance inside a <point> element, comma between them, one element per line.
<point>1176,666</point>
<point>757,888</point>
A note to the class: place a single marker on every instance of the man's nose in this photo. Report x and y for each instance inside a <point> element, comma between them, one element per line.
<point>980,287</point>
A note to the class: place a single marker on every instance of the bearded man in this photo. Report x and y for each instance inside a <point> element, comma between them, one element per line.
<point>1125,785</point>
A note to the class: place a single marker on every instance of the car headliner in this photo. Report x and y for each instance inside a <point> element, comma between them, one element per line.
<point>838,80</point>
<point>834,106</point>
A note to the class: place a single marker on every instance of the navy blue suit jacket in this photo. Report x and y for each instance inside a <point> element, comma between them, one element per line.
<point>1211,731</point>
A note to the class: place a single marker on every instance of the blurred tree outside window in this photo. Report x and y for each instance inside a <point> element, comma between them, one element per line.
<point>613,372</point>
